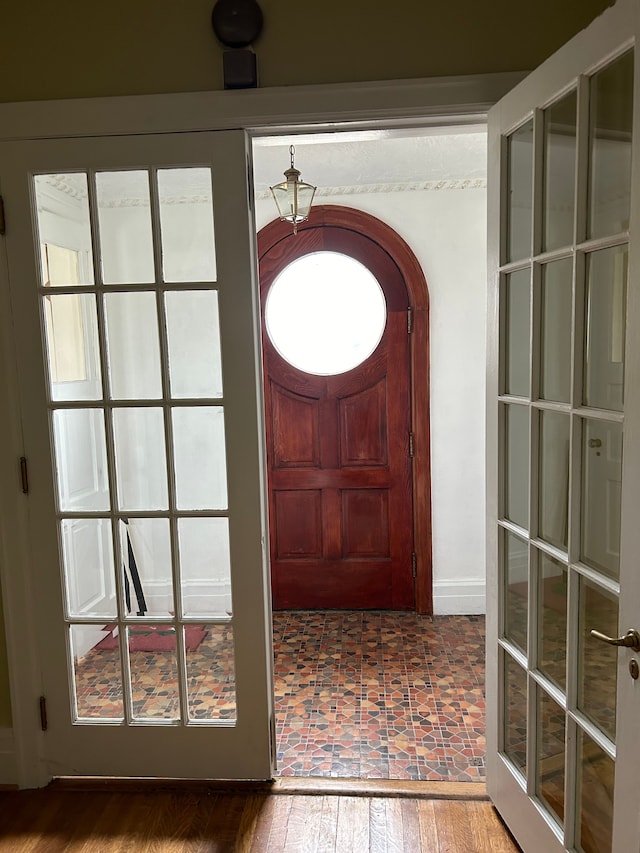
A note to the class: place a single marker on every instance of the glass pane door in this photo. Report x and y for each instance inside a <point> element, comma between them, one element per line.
<point>142,288</point>
<point>562,417</point>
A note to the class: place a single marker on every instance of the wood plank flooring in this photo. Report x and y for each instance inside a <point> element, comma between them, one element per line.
<point>164,821</point>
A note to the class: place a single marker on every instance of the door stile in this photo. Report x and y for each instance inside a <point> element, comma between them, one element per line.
<point>496,241</point>
<point>18,592</point>
<point>246,447</point>
<point>625,835</point>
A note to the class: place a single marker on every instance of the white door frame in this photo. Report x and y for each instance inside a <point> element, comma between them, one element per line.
<point>437,101</point>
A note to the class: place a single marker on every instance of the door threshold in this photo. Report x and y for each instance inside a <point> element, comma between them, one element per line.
<point>405,788</point>
<point>283,785</point>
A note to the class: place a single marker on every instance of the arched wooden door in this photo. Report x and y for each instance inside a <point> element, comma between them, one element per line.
<point>339,447</point>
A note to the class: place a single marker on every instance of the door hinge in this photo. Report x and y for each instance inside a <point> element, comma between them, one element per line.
<point>409,320</point>
<point>3,223</point>
<point>414,564</point>
<point>24,475</point>
<point>411,446</point>
<point>43,714</point>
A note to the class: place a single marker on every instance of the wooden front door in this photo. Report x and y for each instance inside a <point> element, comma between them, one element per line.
<point>338,448</point>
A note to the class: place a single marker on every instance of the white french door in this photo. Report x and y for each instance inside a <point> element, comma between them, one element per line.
<point>563,737</point>
<point>131,268</point>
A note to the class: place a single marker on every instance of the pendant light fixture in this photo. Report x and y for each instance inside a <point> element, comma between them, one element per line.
<point>293,197</point>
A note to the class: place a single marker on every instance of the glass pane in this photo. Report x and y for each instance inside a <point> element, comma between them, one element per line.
<point>516,570</point>
<point>550,754</point>
<point>87,550</point>
<point>517,465</point>
<point>610,119</point>
<point>193,332</point>
<point>559,172</point>
<point>186,223</point>
<point>553,483</point>
<point>520,192</point>
<point>97,674</point>
<point>81,459</point>
<point>515,713</point>
<point>200,462</point>
<point>516,319</point>
<point>595,797</point>
<point>601,495</point>
<point>132,342</point>
<point>64,229</point>
<point>124,215</point>
<point>205,566</point>
<point>210,671</point>
<point>552,619</point>
<point>154,672</point>
<point>605,328</point>
<point>303,321</point>
<point>146,562</point>
<point>555,316</point>
<point>140,458</point>
<point>597,661</point>
<point>71,329</point>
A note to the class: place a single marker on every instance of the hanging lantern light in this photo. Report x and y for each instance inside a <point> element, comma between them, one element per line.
<point>293,197</point>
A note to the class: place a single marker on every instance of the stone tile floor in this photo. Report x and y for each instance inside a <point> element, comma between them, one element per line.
<point>364,694</point>
<point>380,694</point>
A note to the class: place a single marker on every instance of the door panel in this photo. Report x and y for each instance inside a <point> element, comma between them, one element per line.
<point>296,424</point>
<point>363,427</point>
<point>338,453</point>
<point>298,523</point>
<point>564,461</point>
<point>144,440</point>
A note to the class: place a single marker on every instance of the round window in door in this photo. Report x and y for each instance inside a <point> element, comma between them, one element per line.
<point>325,313</point>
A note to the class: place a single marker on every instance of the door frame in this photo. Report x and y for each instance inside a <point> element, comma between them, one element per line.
<point>395,246</point>
<point>428,102</point>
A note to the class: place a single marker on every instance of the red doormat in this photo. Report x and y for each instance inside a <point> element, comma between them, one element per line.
<point>153,638</point>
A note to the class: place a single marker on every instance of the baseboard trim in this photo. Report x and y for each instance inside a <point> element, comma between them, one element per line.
<point>465,596</point>
<point>285,785</point>
<point>8,762</point>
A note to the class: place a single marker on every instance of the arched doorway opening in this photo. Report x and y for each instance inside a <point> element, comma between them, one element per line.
<point>385,541</point>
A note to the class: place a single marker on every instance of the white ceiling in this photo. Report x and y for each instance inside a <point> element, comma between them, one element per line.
<point>353,159</point>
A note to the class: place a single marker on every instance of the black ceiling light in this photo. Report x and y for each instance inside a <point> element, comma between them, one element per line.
<point>238,23</point>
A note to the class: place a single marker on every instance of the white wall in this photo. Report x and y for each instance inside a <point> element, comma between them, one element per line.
<point>446,229</point>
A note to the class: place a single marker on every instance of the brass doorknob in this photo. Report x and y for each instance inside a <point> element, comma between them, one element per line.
<point>631,639</point>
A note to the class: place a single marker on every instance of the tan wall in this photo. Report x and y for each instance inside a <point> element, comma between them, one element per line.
<point>77,48</point>
<point>84,49</point>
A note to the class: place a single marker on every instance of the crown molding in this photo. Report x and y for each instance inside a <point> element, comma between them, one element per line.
<point>385,189</point>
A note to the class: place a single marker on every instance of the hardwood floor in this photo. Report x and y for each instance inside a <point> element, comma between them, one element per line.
<point>174,821</point>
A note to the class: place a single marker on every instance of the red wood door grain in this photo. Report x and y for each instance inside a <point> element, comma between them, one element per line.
<point>339,469</point>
